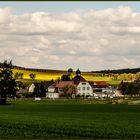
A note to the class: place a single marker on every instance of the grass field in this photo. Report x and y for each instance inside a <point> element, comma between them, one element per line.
<point>68,119</point>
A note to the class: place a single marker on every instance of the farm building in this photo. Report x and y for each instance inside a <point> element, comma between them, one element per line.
<point>85,89</point>
<point>51,92</point>
<point>45,84</point>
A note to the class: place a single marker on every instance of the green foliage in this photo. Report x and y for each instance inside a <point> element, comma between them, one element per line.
<point>32,76</point>
<point>130,88</point>
<point>7,83</point>
<point>68,119</point>
<point>65,77</point>
<point>18,75</point>
<point>68,91</point>
<point>138,75</point>
<point>39,90</point>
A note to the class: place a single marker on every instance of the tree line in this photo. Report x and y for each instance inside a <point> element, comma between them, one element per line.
<point>132,89</point>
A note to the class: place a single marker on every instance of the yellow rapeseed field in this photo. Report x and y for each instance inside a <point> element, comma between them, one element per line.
<point>49,75</point>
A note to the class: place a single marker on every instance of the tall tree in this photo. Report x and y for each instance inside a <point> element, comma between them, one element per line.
<point>7,83</point>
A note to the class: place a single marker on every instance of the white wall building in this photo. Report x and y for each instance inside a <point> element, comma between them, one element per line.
<point>31,88</point>
<point>51,93</point>
<point>85,89</point>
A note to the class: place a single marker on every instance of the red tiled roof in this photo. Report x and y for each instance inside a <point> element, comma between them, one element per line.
<point>98,84</point>
<point>62,84</point>
<point>78,79</point>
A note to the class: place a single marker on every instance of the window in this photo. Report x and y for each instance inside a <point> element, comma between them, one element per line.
<point>83,83</point>
<point>83,88</point>
<point>88,88</point>
<point>79,88</point>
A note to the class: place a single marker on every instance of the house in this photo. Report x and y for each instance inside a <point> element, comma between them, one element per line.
<point>82,86</point>
<point>51,92</point>
<point>118,93</point>
<point>45,85</point>
<point>32,87</point>
<point>61,84</point>
<point>99,86</point>
<point>84,89</point>
<point>22,90</point>
<point>102,89</point>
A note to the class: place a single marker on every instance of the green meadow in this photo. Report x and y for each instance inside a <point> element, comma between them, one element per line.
<point>69,119</point>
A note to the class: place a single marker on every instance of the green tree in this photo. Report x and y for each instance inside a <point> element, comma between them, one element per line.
<point>122,87</point>
<point>65,77</point>
<point>42,90</point>
<point>7,83</point>
<point>115,76</point>
<point>68,91</point>
<point>32,76</point>
<point>18,75</point>
<point>65,90</point>
<point>72,90</point>
<point>137,75</point>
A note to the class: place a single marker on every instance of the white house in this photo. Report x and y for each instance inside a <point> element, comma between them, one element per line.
<point>31,88</point>
<point>51,92</point>
<point>84,88</point>
<point>118,93</point>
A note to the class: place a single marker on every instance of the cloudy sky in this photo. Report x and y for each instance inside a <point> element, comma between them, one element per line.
<point>58,35</point>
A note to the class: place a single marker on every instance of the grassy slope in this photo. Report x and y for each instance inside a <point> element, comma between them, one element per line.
<point>54,75</point>
<point>68,119</point>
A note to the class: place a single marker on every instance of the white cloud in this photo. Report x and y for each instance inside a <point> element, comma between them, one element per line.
<point>90,40</point>
<point>5,15</point>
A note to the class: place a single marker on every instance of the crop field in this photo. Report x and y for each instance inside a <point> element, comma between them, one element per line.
<point>49,75</point>
<point>68,119</point>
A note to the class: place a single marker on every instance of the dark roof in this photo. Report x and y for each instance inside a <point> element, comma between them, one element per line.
<point>46,84</point>
<point>98,84</point>
<point>78,79</point>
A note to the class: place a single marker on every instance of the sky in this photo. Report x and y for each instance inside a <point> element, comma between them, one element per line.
<point>59,35</point>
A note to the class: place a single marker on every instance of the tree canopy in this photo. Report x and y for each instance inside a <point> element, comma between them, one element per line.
<point>7,83</point>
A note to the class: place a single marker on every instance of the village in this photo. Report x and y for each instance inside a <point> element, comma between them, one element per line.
<point>76,87</point>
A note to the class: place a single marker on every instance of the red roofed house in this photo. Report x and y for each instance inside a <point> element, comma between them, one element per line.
<point>84,88</point>
<point>102,89</point>
<point>57,88</point>
<point>59,85</point>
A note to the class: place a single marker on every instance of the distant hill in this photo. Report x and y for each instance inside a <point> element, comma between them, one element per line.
<point>39,70</point>
<point>36,69</point>
<point>119,71</point>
